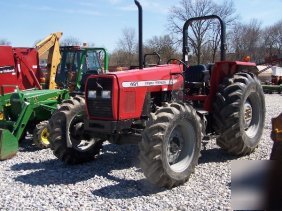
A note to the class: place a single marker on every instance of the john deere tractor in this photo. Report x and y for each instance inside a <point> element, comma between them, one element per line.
<point>167,110</point>
<point>29,110</point>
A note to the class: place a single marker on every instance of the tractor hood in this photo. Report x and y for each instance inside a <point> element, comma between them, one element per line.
<point>121,95</point>
<point>147,77</point>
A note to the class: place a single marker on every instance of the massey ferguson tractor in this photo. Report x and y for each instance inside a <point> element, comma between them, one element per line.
<point>167,109</point>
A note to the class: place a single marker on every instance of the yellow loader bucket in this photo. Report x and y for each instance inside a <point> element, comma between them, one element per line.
<point>8,144</point>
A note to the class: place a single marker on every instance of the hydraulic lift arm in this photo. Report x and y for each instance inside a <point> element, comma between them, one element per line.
<point>52,44</point>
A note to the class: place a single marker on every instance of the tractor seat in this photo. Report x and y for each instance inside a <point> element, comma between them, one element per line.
<point>197,74</point>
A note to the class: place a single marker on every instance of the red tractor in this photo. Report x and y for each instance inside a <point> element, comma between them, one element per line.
<point>166,109</point>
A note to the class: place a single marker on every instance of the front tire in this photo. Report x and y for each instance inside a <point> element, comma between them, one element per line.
<point>41,135</point>
<point>239,114</point>
<point>84,147</point>
<point>170,146</point>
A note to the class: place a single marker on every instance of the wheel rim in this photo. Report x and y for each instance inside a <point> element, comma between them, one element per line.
<point>248,113</point>
<point>44,137</point>
<point>180,150</point>
<point>80,140</point>
<point>1,116</point>
<point>252,115</point>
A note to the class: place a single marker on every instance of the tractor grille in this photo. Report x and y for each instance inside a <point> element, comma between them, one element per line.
<point>98,106</point>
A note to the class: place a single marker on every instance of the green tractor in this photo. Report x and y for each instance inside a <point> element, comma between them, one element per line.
<point>29,110</point>
<point>22,110</point>
<point>77,64</point>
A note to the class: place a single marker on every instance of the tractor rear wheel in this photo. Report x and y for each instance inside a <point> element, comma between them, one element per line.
<point>67,121</point>
<point>170,145</point>
<point>40,135</point>
<point>239,113</point>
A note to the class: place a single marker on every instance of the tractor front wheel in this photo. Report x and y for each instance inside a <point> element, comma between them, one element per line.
<point>239,114</point>
<point>170,146</point>
<point>40,135</point>
<point>67,123</point>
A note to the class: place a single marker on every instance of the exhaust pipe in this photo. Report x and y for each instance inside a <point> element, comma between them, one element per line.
<point>140,33</point>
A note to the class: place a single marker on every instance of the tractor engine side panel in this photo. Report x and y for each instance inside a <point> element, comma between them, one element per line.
<point>133,90</point>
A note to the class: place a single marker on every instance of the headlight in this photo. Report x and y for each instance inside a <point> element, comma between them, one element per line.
<point>91,94</point>
<point>106,94</point>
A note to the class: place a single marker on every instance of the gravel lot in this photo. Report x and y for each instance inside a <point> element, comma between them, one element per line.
<point>37,180</point>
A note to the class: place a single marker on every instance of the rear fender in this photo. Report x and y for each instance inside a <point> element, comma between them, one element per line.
<point>222,70</point>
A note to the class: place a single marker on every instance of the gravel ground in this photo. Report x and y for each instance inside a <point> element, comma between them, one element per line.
<point>37,180</point>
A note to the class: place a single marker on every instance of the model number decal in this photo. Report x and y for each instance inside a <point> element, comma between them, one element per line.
<point>7,69</point>
<point>148,83</point>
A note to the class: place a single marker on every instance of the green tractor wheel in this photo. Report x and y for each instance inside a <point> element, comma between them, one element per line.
<point>40,135</point>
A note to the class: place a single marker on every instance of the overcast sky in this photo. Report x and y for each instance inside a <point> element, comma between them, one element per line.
<point>101,21</point>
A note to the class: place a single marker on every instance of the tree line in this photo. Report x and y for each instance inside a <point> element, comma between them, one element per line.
<point>243,39</point>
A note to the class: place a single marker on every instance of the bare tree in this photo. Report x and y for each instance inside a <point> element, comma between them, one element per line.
<point>227,12</point>
<point>274,35</point>
<point>128,40</point>
<point>200,33</point>
<point>271,43</point>
<point>117,58</point>
<point>246,40</point>
<point>279,36</point>
<point>163,45</point>
<point>70,41</point>
<point>269,40</point>
<point>4,42</point>
<point>125,54</point>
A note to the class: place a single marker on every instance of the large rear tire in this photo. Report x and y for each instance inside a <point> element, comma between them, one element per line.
<point>84,147</point>
<point>170,146</point>
<point>239,114</point>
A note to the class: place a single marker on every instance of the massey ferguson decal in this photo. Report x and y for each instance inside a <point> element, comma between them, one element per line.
<point>7,69</point>
<point>148,83</point>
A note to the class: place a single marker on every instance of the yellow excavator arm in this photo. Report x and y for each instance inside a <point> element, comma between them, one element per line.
<point>51,44</point>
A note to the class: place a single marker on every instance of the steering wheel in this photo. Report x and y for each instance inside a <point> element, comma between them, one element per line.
<point>179,62</point>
